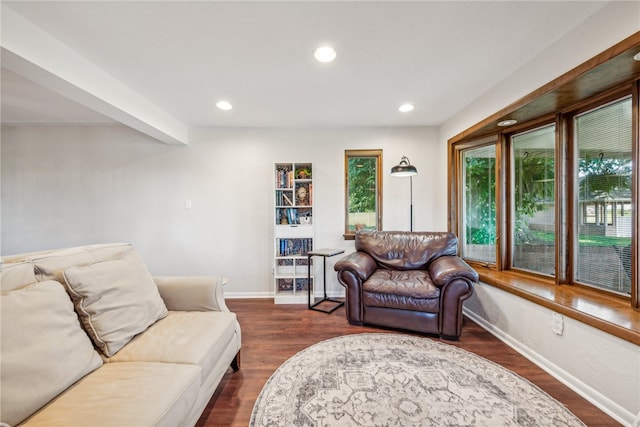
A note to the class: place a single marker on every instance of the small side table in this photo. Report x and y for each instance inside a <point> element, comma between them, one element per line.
<point>324,253</point>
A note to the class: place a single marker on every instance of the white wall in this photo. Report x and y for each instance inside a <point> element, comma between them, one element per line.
<point>602,368</point>
<point>613,23</point>
<point>71,185</point>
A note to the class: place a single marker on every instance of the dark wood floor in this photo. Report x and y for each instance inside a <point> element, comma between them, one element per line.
<point>273,333</point>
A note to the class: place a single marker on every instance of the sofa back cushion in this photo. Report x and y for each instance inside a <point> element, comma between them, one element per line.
<point>16,275</point>
<point>44,349</point>
<point>115,299</point>
<point>401,250</point>
<point>51,264</point>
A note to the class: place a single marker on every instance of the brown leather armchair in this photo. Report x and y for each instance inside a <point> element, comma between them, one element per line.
<point>407,280</point>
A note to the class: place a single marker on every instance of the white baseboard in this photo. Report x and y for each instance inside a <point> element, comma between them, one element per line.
<point>605,404</point>
<point>246,295</point>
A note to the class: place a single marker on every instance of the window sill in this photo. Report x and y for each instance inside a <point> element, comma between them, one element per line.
<point>607,313</point>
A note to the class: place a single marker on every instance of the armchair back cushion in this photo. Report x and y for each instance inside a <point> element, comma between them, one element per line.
<point>399,250</point>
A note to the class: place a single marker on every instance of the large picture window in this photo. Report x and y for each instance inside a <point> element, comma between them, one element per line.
<point>543,194</point>
<point>505,197</point>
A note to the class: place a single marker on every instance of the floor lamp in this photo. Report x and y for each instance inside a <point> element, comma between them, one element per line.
<point>402,169</point>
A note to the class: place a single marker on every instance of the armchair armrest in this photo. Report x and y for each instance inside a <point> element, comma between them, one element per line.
<point>446,268</point>
<point>359,263</point>
<point>192,293</point>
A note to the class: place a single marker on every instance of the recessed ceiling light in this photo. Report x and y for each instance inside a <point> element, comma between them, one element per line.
<point>224,105</point>
<point>636,57</point>
<point>508,122</point>
<point>405,108</point>
<point>325,54</point>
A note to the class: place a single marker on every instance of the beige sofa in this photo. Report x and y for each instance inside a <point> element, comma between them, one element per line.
<point>89,337</point>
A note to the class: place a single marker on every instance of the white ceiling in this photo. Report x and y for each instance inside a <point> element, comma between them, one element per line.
<point>183,56</point>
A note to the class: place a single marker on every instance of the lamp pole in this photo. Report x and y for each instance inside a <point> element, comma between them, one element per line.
<point>411,204</point>
<point>405,168</point>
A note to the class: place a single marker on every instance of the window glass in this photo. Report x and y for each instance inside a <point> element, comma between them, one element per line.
<point>533,221</point>
<point>479,204</point>
<point>603,247</point>
<point>363,191</point>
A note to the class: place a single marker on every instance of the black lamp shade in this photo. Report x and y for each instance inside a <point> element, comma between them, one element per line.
<point>404,168</point>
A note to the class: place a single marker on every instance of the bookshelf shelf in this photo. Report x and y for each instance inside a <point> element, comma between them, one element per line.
<point>293,231</point>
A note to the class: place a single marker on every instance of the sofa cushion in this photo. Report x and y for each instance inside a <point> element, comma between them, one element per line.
<point>16,275</point>
<point>400,250</point>
<point>126,394</point>
<point>196,337</point>
<point>115,299</point>
<point>51,264</point>
<point>44,349</point>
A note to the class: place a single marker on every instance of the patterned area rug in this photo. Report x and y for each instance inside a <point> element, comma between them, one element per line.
<point>399,380</point>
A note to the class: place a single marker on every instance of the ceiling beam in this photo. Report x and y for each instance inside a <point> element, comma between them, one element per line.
<point>32,53</point>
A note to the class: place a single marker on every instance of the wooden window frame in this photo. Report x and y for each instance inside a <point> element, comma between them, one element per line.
<point>607,77</point>
<point>373,153</point>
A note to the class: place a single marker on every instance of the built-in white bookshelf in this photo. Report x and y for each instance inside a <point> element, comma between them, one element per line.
<point>294,231</point>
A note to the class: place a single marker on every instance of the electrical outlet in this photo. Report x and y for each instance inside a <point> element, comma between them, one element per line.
<point>557,323</point>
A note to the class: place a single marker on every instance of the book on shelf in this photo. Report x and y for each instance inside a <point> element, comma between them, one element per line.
<point>282,199</point>
<point>295,247</point>
<point>284,178</point>
<point>289,216</point>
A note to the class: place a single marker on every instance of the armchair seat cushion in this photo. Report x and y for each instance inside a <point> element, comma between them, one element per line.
<point>408,283</point>
<point>401,289</point>
<point>425,305</point>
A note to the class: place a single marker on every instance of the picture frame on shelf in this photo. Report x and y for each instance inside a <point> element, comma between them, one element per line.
<point>303,194</point>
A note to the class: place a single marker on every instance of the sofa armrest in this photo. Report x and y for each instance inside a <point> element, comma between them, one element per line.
<point>192,293</point>
<point>446,268</point>
<point>359,263</point>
